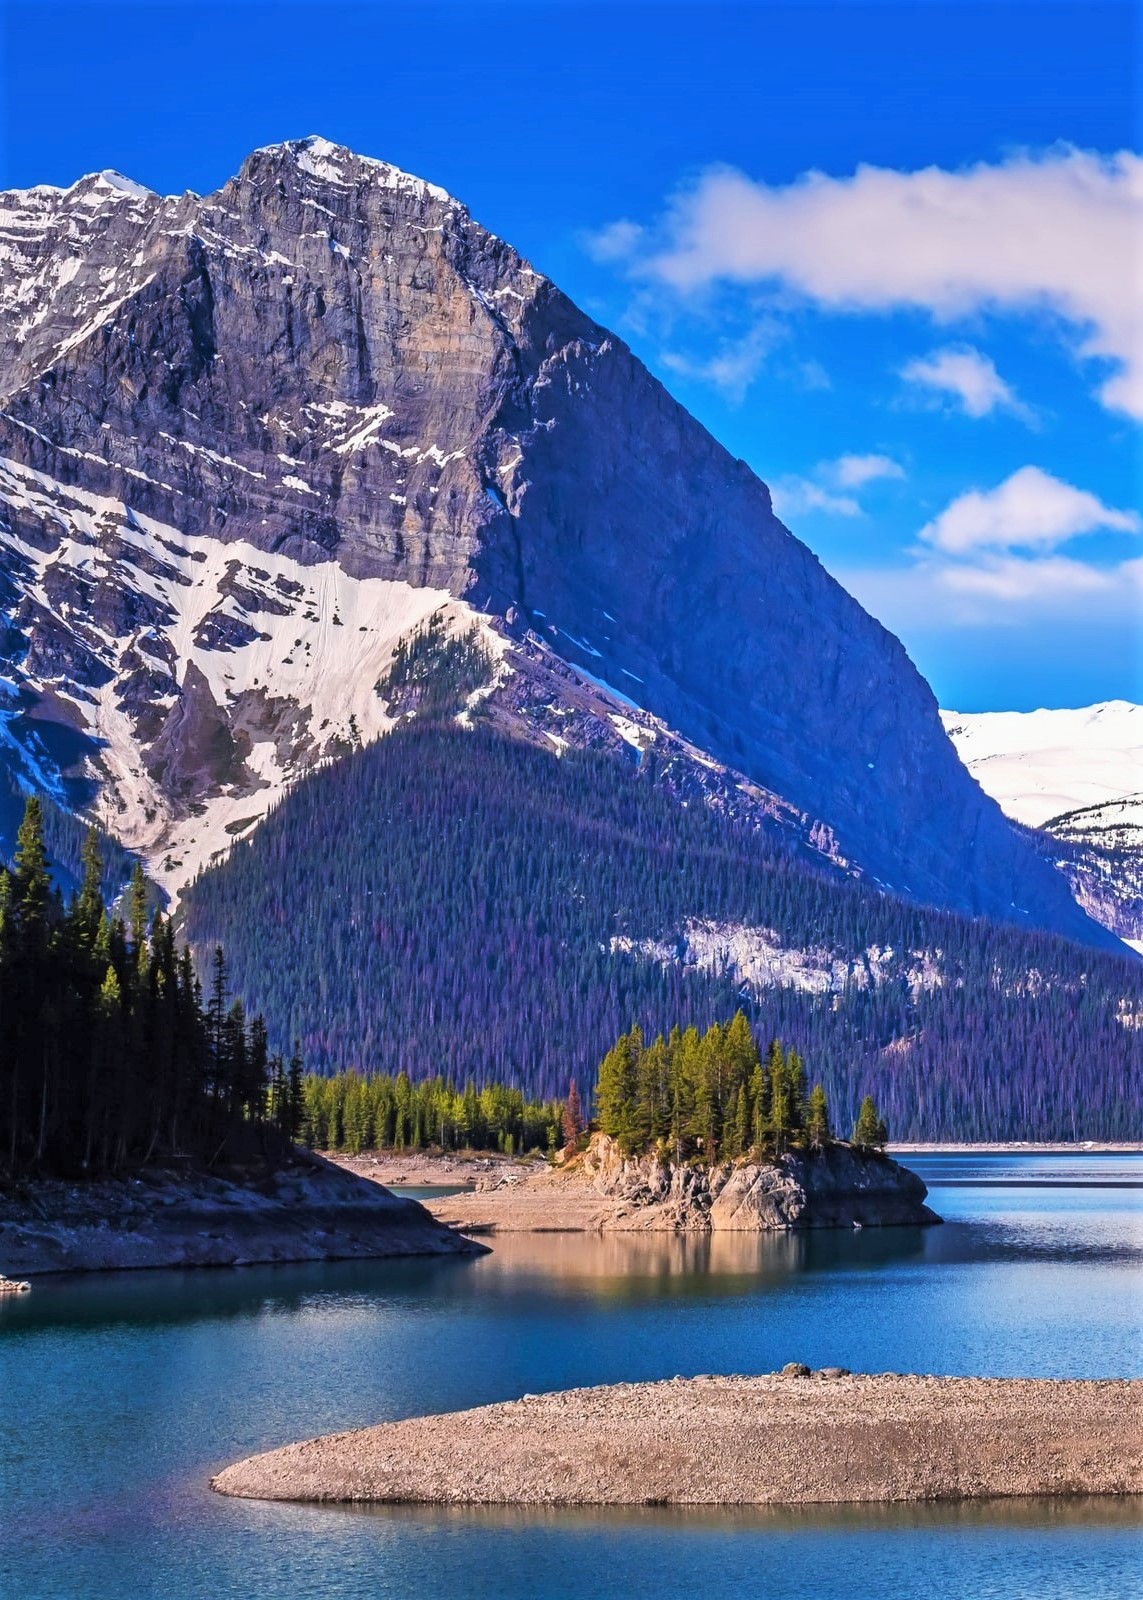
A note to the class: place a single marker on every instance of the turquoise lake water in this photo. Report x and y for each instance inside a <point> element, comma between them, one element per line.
<point>120,1394</point>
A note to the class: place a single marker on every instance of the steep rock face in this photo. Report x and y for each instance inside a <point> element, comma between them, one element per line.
<point>329,364</point>
<point>836,1188</point>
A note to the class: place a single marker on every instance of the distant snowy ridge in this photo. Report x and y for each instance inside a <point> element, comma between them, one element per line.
<point>1077,777</point>
<point>1040,764</point>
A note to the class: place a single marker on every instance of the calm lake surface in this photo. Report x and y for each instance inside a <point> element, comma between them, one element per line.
<point>120,1394</point>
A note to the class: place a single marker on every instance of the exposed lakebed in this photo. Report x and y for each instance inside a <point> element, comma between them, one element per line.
<point>123,1392</point>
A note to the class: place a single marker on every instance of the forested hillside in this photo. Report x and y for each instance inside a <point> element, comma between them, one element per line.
<point>450,902</point>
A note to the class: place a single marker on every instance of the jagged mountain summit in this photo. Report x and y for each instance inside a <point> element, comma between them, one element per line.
<point>1075,777</point>
<point>249,442</point>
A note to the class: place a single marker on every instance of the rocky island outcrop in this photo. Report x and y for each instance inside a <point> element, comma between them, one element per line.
<point>305,1210</point>
<point>602,1190</point>
<point>789,1438</point>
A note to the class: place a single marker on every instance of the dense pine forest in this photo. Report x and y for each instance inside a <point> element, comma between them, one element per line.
<point>715,1096</point>
<point>111,1055</point>
<point>354,1112</point>
<point>449,902</point>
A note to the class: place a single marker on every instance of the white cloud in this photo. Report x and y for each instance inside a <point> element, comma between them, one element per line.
<point>999,591</point>
<point>1029,510</point>
<point>736,363</point>
<point>792,496</point>
<point>851,472</point>
<point>968,376</point>
<point>990,561</point>
<point>615,242</point>
<point>1060,232</point>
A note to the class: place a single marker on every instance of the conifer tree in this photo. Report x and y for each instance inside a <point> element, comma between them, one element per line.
<point>88,911</point>
<point>31,881</point>
<point>137,913</point>
<point>870,1132</point>
<point>817,1118</point>
<point>743,1121</point>
<point>572,1120</point>
<point>616,1089</point>
<point>780,1120</point>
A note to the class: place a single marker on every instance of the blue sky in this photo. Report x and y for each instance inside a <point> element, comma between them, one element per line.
<point>927,350</point>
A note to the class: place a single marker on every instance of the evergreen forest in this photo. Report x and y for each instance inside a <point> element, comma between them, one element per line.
<point>353,1112</point>
<point>716,1096</point>
<point>111,1054</point>
<point>451,903</point>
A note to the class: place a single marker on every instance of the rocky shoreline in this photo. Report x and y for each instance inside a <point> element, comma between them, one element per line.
<point>787,1438</point>
<point>601,1190</point>
<point>307,1210</point>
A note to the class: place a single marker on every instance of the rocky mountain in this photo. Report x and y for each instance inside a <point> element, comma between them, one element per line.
<point>1074,778</point>
<point>249,443</point>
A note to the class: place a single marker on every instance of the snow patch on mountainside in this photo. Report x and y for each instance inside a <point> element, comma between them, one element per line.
<point>280,658</point>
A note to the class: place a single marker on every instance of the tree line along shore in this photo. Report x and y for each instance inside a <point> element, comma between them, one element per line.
<point>713,1096</point>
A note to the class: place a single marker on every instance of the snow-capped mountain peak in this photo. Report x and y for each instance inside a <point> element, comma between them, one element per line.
<point>328,376</point>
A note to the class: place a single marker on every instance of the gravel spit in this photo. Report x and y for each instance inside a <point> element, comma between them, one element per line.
<point>785,1438</point>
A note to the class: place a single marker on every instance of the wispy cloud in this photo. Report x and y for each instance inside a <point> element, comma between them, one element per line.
<point>993,559</point>
<point>1000,592</point>
<point>968,377</point>
<point>851,472</point>
<point>794,495</point>
<point>1059,232</point>
<point>1029,510</point>
<point>735,363</point>
<point>616,242</point>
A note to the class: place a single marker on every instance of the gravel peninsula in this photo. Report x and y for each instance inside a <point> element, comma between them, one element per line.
<point>788,1438</point>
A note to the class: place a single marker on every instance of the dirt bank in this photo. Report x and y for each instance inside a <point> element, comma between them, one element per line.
<point>733,1441</point>
<point>309,1210</point>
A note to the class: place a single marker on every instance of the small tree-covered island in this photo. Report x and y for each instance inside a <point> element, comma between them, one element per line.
<point>693,1132</point>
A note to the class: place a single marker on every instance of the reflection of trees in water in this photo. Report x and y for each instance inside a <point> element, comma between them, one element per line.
<point>612,1266</point>
<point>637,1266</point>
<point>159,1298</point>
